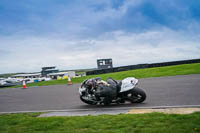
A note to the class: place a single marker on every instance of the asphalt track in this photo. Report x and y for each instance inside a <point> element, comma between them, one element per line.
<point>172,91</point>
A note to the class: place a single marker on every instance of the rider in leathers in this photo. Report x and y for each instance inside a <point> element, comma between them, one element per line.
<point>101,88</point>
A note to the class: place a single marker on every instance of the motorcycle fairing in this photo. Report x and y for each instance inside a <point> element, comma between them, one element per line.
<point>128,84</point>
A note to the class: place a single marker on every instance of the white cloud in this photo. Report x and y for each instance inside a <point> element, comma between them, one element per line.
<point>31,53</point>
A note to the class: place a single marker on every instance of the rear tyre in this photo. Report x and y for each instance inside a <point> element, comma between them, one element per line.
<point>107,101</point>
<point>138,95</point>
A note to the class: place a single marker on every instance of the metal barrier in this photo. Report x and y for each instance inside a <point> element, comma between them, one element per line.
<point>140,66</point>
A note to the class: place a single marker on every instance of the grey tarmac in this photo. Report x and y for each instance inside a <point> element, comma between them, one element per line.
<point>172,91</point>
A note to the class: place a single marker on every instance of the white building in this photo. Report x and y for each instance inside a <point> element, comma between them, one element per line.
<point>28,75</point>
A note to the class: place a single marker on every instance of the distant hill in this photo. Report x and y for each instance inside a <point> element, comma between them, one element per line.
<point>6,75</point>
<point>78,71</point>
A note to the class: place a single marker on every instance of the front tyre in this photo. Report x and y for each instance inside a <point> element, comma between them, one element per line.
<point>137,95</point>
<point>87,101</point>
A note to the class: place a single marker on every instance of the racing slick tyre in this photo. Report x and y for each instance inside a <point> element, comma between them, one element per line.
<point>87,101</point>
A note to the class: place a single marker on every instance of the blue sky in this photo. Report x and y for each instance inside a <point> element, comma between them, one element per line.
<point>73,34</point>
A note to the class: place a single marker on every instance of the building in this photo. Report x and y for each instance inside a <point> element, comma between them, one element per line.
<point>47,70</point>
<point>27,75</point>
<point>104,63</point>
<point>71,74</point>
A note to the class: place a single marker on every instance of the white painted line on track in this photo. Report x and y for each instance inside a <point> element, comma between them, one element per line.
<point>97,109</point>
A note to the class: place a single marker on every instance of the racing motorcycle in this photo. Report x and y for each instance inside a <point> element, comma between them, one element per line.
<point>96,91</point>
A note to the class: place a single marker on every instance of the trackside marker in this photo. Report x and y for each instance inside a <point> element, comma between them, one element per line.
<point>24,84</point>
<point>69,81</point>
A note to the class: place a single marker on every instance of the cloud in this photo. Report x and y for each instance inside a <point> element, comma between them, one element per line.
<point>124,48</point>
<point>93,18</point>
<point>73,34</point>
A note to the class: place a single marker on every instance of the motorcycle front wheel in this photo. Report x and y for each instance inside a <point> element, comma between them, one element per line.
<point>87,101</point>
<point>137,95</point>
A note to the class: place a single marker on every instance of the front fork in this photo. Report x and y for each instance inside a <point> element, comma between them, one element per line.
<point>124,96</point>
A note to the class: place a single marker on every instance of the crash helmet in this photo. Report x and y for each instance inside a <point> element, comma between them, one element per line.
<point>89,84</point>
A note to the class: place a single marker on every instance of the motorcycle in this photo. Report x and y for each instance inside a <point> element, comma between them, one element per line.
<point>97,91</point>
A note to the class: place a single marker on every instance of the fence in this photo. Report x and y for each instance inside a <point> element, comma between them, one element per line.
<point>140,66</point>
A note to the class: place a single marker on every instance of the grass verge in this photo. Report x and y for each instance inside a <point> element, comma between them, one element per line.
<point>137,123</point>
<point>139,73</point>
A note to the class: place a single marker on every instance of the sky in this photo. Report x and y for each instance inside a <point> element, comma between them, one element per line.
<point>74,34</point>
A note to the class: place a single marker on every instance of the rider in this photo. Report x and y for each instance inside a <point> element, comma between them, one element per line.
<point>94,82</point>
<point>101,88</point>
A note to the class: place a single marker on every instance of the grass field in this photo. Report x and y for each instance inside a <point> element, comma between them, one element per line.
<point>139,73</point>
<point>123,123</point>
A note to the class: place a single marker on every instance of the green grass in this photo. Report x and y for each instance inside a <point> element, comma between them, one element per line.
<point>139,73</point>
<point>123,123</point>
